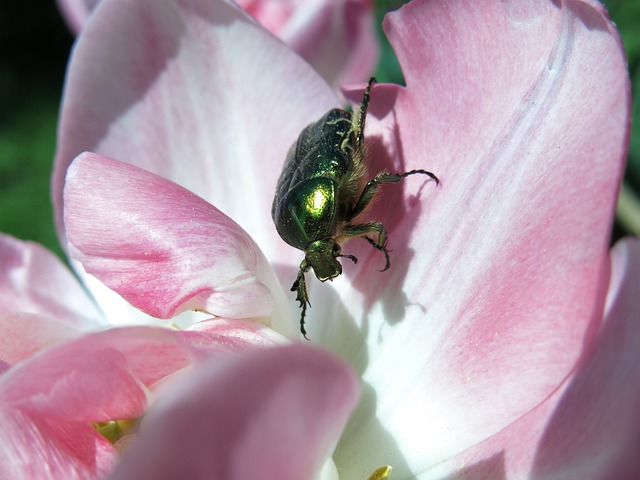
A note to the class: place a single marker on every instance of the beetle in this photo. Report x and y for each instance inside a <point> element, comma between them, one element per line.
<point>321,191</point>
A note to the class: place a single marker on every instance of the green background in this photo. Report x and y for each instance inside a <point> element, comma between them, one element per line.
<point>34,48</point>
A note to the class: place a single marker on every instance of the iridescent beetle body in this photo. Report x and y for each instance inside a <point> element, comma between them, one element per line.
<point>322,189</point>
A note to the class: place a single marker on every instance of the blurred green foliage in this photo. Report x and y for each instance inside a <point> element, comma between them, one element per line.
<point>626,15</point>
<point>34,49</point>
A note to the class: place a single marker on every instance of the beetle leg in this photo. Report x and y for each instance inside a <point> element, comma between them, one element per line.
<point>300,287</point>
<point>362,229</point>
<point>350,257</point>
<point>372,186</point>
<point>383,249</point>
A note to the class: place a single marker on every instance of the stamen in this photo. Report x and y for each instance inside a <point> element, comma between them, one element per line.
<point>116,429</point>
<point>381,473</point>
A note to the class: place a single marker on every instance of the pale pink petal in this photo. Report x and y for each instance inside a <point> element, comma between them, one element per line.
<point>195,92</point>
<point>49,401</point>
<point>221,335</point>
<point>98,377</point>
<point>34,280</point>
<point>38,448</point>
<point>76,12</point>
<point>590,427</point>
<point>271,414</point>
<point>336,37</point>
<point>161,247</point>
<point>24,334</point>
<point>498,277</point>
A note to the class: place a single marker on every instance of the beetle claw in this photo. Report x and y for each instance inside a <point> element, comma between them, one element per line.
<point>350,257</point>
<point>383,249</point>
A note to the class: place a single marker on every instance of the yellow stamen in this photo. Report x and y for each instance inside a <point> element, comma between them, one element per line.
<point>116,429</point>
<point>381,473</point>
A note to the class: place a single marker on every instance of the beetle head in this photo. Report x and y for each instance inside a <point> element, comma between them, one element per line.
<point>321,255</point>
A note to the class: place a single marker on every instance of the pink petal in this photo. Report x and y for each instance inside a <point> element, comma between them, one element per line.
<point>48,402</point>
<point>196,92</point>
<point>270,414</point>
<point>221,335</point>
<point>337,38</point>
<point>76,12</point>
<point>498,277</point>
<point>33,280</point>
<point>98,377</point>
<point>161,247</point>
<point>24,334</point>
<point>590,427</point>
<point>37,448</point>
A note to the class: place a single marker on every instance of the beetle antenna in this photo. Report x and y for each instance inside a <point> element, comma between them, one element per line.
<point>362,113</point>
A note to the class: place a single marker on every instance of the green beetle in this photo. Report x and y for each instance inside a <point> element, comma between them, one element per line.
<point>322,189</point>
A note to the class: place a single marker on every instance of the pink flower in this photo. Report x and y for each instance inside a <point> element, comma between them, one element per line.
<point>50,404</point>
<point>336,37</point>
<point>58,382</point>
<point>479,350</point>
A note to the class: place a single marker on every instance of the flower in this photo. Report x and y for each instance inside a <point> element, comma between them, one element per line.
<point>493,320</point>
<point>288,405</point>
<point>60,377</point>
<point>335,36</point>
<point>582,430</point>
<point>51,403</point>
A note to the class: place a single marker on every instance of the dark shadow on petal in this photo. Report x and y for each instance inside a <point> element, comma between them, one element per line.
<point>330,324</point>
<point>590,17</point>
<point>396,203</point>
<point>387,450</point>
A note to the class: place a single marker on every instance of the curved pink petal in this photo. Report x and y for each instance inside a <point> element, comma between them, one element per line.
<point>38,448</point>
<point>590,427</point>
<point>197,93</point>
<point>76,12</point>
<point>337,38</point>
<point>34,280</point>
<point>161,247</point>
<point>99,377</point>
<point>49,401</point>
<point>498,277</point>
<point>222,335</point>
<point>271,414</point>
<point>24,334</point>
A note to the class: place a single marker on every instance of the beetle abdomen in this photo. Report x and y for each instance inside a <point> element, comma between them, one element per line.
<point>304,207</point>
<point>307,213</point>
